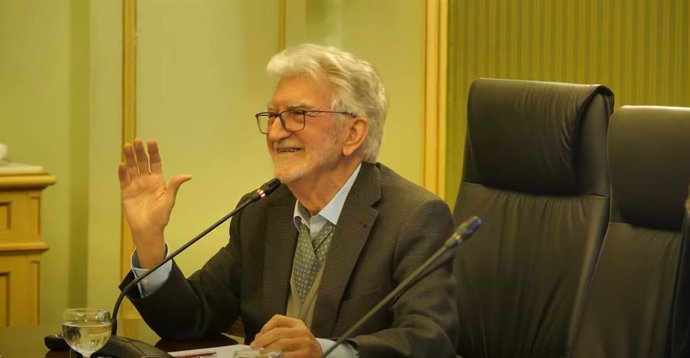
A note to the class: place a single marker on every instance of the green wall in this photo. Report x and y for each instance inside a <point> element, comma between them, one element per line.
<point>60,80</point>
<point>105,102</point>
<point>362,27</point>
<point>200,80</point>
<point>44,120</point>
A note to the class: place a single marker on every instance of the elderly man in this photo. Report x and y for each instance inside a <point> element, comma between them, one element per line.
<point>304,264</point>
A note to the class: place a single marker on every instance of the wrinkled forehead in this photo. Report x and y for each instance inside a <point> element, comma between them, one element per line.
<point>301,91</point>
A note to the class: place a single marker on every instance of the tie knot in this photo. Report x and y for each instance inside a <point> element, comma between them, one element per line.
<point>304,229</point>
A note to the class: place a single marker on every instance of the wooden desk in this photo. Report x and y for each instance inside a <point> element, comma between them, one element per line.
<point>27,341</point>
<point>21,247</point>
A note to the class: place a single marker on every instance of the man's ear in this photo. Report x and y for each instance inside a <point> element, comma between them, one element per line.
<point>357,128</point>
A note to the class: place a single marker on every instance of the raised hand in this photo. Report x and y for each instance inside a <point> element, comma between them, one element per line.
<point>289,335</point>
<point>146,200</point>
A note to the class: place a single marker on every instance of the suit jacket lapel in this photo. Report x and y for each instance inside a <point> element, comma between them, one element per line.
<point>350,236</point>
<point>280,242</point>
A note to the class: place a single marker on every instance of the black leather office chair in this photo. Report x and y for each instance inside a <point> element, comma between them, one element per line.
<point>680,314</point>
<point>628,309</point>
<point>535,172</point>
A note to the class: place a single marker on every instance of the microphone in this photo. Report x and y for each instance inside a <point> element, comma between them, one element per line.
<point>266,189</point>
<point>122,347</point>
<point>462,233</point>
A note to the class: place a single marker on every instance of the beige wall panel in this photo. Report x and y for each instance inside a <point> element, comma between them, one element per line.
<point>38,124</point>
<point>200,81</point>
<point>361,27</point>
<point>100,280</point>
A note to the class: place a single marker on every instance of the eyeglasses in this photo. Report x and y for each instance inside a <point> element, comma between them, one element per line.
<point>293,120</point>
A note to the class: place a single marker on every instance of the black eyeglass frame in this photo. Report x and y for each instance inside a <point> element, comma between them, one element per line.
<point>303,112</point>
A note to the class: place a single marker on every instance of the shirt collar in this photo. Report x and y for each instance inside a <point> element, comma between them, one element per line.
<point>331,212</point>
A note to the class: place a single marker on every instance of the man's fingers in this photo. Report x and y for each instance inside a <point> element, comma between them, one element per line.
<point>290,344</point>
<point>155,163</point>
<point>286,334</point>
<point>130,161</point>
<point>294,346</point>
<point>122,175</point>
<point>142,160</point>
<point>267,338</point>
<point>285,339</point>
<point>275,328</point>
<point>142,157</point>
<point>279,321</point>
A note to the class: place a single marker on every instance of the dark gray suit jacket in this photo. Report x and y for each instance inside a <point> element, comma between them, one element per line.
<point>388,228</point>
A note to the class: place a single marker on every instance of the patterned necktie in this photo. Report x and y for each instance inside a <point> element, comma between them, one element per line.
<point>310,256</point>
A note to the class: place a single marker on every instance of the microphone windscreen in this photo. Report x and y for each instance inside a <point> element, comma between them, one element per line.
<point>270,186</point>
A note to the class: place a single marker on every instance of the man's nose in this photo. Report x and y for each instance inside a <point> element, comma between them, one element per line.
<point>277,130</point>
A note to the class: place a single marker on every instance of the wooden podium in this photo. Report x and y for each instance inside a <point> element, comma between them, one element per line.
<point>21,245</point>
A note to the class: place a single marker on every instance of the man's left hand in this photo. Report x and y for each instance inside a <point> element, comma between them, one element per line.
<point>289,335</point>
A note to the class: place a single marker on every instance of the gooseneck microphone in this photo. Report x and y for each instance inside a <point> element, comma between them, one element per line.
<point>462,233</point>
<point>266,189</point>
<point>122,347</point>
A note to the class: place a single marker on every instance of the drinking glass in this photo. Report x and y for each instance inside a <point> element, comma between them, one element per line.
<point>86,330</point>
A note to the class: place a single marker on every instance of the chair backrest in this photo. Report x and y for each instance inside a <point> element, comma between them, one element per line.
<point>535,172</point>
<point>628,309</point>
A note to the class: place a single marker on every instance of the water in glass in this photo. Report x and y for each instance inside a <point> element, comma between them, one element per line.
<point>86,330</point>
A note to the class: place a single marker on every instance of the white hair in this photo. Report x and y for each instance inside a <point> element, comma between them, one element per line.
<point>358,88</point>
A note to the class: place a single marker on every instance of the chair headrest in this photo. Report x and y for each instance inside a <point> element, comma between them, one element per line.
<point>525,135</point>
<point>649,157</point>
